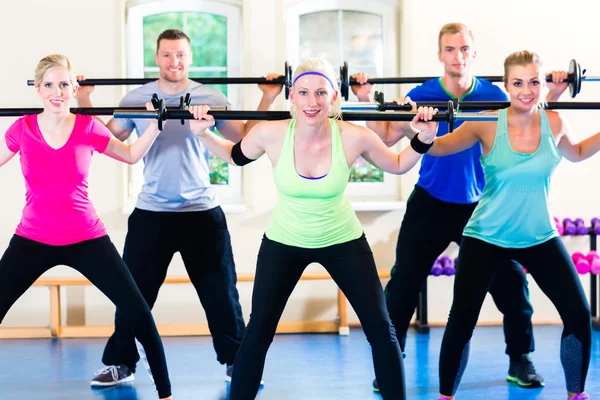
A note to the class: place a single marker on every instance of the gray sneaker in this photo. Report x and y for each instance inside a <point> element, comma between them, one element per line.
<point>229,371</point>
<point>112,375</point>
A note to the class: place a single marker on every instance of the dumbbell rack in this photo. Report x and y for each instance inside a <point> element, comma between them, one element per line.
<point>594,285</point>
<point>422,323</point>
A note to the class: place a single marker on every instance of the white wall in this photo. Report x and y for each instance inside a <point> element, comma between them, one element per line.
<point>91,33</point>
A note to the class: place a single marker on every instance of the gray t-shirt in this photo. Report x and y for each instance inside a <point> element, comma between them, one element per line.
<point>176,168</point>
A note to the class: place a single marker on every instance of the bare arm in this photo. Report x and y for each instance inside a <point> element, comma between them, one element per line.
<point>134,152</point>
<point>374,151</point>
<point>5,153</point>
<point>458,140</point>
<point>574,152</point>
<point>237,130</point>
<point>252,146</point>
<point>84,100</point>
<point>389,132</point>
<point>379,155</point>
<point>557,86</point>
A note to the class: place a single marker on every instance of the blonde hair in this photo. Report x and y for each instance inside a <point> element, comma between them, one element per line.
<point>523,58</point>
<point>324,67</point>
<point>454,28</point>
<point>51,62</point>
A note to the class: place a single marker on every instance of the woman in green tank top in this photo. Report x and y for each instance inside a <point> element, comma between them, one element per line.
<point>513,220</point>
<point>311,156</point>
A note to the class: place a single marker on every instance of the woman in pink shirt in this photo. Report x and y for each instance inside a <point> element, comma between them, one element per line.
<point>59,225</point>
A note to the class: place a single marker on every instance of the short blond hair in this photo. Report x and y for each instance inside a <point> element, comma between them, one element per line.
<point>51,62</point>
<point>324,67</point>
<point>454,28</point>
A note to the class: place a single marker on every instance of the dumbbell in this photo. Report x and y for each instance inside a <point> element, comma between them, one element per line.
<point>559,227</point>
<point>447,267</point>
<point>594,259</point>
<point>582,265</point>
<point>569,226</point>
<point>596,225</point>
<point>437,268</point>
<point>580,226</point>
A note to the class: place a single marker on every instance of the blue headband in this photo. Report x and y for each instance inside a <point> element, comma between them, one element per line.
<point>314,73</point>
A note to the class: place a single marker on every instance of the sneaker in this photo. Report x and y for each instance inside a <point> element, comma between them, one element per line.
<point>582,396</point>
<point>229,372</point>
<point>522,372</point>
<point>375,385</point>
<point>112,375</point>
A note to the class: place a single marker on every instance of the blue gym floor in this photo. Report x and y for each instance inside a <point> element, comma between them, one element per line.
<point>298,367</point>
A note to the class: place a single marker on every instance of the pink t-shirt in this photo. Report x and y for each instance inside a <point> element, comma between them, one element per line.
<point>57,209</point>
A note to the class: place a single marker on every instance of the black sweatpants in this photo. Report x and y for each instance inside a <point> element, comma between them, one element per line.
<point>352,267</point>
<point>428,227</point>
<point>203,240</point>
<point>551,266</point>
<point>99,261</point>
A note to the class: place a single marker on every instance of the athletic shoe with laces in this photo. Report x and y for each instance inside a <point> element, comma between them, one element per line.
<point>522,372</point>
<point>112,375</point>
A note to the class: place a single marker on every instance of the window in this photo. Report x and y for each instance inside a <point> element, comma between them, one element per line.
<point>365,37</point>
<point>214,31</point>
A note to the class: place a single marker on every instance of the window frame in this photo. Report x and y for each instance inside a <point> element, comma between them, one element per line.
<point>389,189</point>
<point>231,195</point>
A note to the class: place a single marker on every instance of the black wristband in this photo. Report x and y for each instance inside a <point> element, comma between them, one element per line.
<point>419,146</point>
<point>238,157</point>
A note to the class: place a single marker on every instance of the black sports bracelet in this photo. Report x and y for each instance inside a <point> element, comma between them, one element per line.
<point>419,146</point>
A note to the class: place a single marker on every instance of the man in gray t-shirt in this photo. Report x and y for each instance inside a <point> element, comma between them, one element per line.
<point>177,211</point>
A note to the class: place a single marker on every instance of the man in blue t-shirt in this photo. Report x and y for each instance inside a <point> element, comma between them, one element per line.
<point>177,211</point>
<point>443,200</point>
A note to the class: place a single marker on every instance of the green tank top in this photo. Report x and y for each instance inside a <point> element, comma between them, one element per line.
<point>514,211</point>
<point>312,213</point>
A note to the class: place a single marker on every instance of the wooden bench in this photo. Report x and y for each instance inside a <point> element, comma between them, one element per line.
<point>56,329</point>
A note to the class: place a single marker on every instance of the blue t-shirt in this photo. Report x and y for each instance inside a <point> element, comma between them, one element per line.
<point>176,168</point>
<point>457,178</point>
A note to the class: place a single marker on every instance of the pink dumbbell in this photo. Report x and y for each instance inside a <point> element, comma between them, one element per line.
<point>582,265</point>
<point>594,259</point>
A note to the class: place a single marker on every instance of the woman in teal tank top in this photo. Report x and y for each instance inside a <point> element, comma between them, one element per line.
<point>513,221</point>
<point>311,156</point>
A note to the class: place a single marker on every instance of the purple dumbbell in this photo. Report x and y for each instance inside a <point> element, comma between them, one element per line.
<point>445,260</point>
<point>596,225</point>
<point>447,267</point>
<point>449,270</point>
<point>570,228</point>
<point>580,226</point>
<point>437,268</point>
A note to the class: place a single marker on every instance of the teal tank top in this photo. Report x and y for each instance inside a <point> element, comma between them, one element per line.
<point>514,211</point>
<point>312,213</point>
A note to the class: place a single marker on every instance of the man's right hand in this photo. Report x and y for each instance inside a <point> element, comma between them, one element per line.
<point>363,90</point>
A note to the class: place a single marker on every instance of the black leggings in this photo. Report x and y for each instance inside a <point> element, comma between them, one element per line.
<point>551,266</point>
<point>99,261</point>
<point>428,227</point>
<point>352,267</point>
<point>202,239</point>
